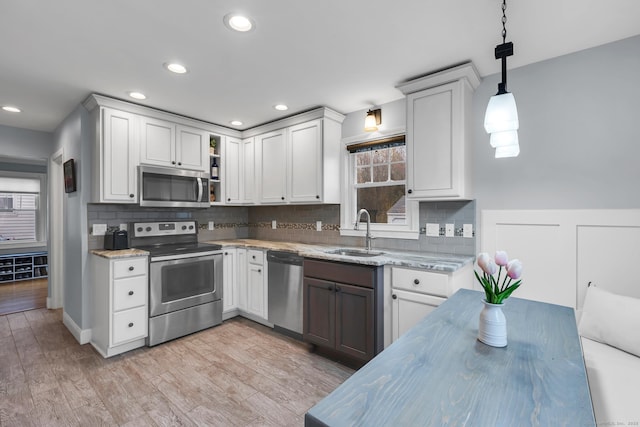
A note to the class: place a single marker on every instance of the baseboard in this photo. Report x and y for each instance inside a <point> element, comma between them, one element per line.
<point>83,336</point>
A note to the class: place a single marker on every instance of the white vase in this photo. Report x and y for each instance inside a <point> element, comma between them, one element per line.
<point>492,328</point>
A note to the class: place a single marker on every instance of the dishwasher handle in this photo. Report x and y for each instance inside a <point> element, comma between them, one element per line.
<point>281,257</point>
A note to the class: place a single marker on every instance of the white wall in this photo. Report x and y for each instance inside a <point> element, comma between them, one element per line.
<point>72,136</point>
<point>579,134</point>
<point>16,143</point>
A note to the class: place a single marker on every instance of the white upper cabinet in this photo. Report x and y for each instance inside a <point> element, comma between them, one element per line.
<point>164,143</point>
<point>157,142</point>
<point>271,153</point>
<point>239,171</point>
<point>115,157</point>
<point>305,148</point>
<point>438,134</point>
<point>192,148</point>
<point>299,163</point>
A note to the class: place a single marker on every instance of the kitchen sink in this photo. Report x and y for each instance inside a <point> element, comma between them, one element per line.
<point>354,252</point>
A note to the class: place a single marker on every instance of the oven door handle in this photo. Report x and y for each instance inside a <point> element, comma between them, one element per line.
<point>199,189</point>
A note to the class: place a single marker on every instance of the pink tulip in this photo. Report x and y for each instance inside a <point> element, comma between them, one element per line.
<point>501,258</point>
<point>482,260</point>
<point>514,269</point>
<point>491,268</point>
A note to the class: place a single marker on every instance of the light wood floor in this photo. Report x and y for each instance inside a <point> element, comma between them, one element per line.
<point>23,295</point>
<point>236,374</point>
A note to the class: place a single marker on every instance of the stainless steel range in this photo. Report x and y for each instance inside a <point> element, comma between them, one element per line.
<point>185,278</point>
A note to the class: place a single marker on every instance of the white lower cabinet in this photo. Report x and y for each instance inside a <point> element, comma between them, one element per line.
<point>229,283</point>
<point>245,284</point>
<point>415,293</point>
<point>256,284</point>
<point>408,308</point>
<point>120,308</point>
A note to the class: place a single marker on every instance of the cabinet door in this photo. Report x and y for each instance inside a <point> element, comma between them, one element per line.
<point>233,170</point>
<point>255,290</point>
<point>434,142</point>
<point>319,312</point>
<point>354,321</point>
<point>157,142</point>
<point>247,178</point>
<point>305,163</point>
<point>272,166</point>
<point>241,278</point>
<point>408,308</point>
<point>192,148</point>
<point>120,157</point>
<point>230,280</point>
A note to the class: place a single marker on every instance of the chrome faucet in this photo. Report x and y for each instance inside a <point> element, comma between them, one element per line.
<point>368,236</point>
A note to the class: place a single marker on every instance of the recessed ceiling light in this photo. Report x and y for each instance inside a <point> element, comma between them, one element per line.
<point>236,122</point>
<point>137,95</point>
<point>11,109</point>
<point>174,67</point>
<point>238,22</point>
<point>281,107</point>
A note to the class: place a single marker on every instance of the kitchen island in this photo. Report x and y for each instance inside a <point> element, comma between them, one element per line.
<point>439,374</point>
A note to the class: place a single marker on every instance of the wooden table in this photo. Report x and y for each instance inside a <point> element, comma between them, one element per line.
<point>439,374</point>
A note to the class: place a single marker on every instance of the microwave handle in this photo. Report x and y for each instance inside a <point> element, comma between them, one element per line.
<point>199,189</point>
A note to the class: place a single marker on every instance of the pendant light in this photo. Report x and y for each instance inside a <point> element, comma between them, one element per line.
<point>501,117</point>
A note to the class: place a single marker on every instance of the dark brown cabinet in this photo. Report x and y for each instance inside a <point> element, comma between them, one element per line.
<point>343,308</point>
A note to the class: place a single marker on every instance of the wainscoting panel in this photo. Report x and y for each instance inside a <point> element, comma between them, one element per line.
<point>563,250</point>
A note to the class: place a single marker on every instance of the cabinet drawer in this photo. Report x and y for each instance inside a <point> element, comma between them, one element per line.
<point>420,281</point>
<point>129,267</point>
<point>129,324</point>
<point>255,256</point>
<point>129,292</point>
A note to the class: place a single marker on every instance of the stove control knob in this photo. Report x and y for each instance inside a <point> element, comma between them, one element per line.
<point>184,227</point>
<point>191,227</point>
<point>139,229</point>
<point>148,228</point>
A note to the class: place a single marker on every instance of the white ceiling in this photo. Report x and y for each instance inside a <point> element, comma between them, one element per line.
<point>344,54</point>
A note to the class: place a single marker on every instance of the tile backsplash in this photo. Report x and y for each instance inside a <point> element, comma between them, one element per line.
<point>295,223</point>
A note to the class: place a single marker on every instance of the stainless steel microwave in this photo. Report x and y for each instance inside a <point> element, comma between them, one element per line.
<point>173,188</point>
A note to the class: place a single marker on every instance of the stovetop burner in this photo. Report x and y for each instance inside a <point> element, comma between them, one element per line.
<point>179,248</point>
<point>167,238</point>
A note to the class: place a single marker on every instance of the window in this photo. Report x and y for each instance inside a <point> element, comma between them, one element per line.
<point>20,217</point>
<point>376,174</point>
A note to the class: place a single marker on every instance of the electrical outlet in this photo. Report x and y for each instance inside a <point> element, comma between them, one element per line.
<point>433,230</point>
<point>211,225</point>
<point>99,229</point>
<point>318,225</point>
<point>448,230</point>
<point>274,225</point>
<point>123,227</point>
<point>467,230</point>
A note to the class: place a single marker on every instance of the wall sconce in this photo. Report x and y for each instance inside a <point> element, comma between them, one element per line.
<point>501,117</point>
<point>373,119</point>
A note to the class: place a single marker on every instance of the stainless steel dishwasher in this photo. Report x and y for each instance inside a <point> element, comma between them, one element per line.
<point>285,292</point>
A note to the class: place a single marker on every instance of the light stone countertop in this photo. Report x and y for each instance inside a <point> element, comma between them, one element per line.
<point>122,253</point>
<point>447,263</point>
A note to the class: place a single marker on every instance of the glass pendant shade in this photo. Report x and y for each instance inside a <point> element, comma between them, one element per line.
<point>504,139</point>
<point>507,151</point>
<point>370,122</point>
<point>501,114</point>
